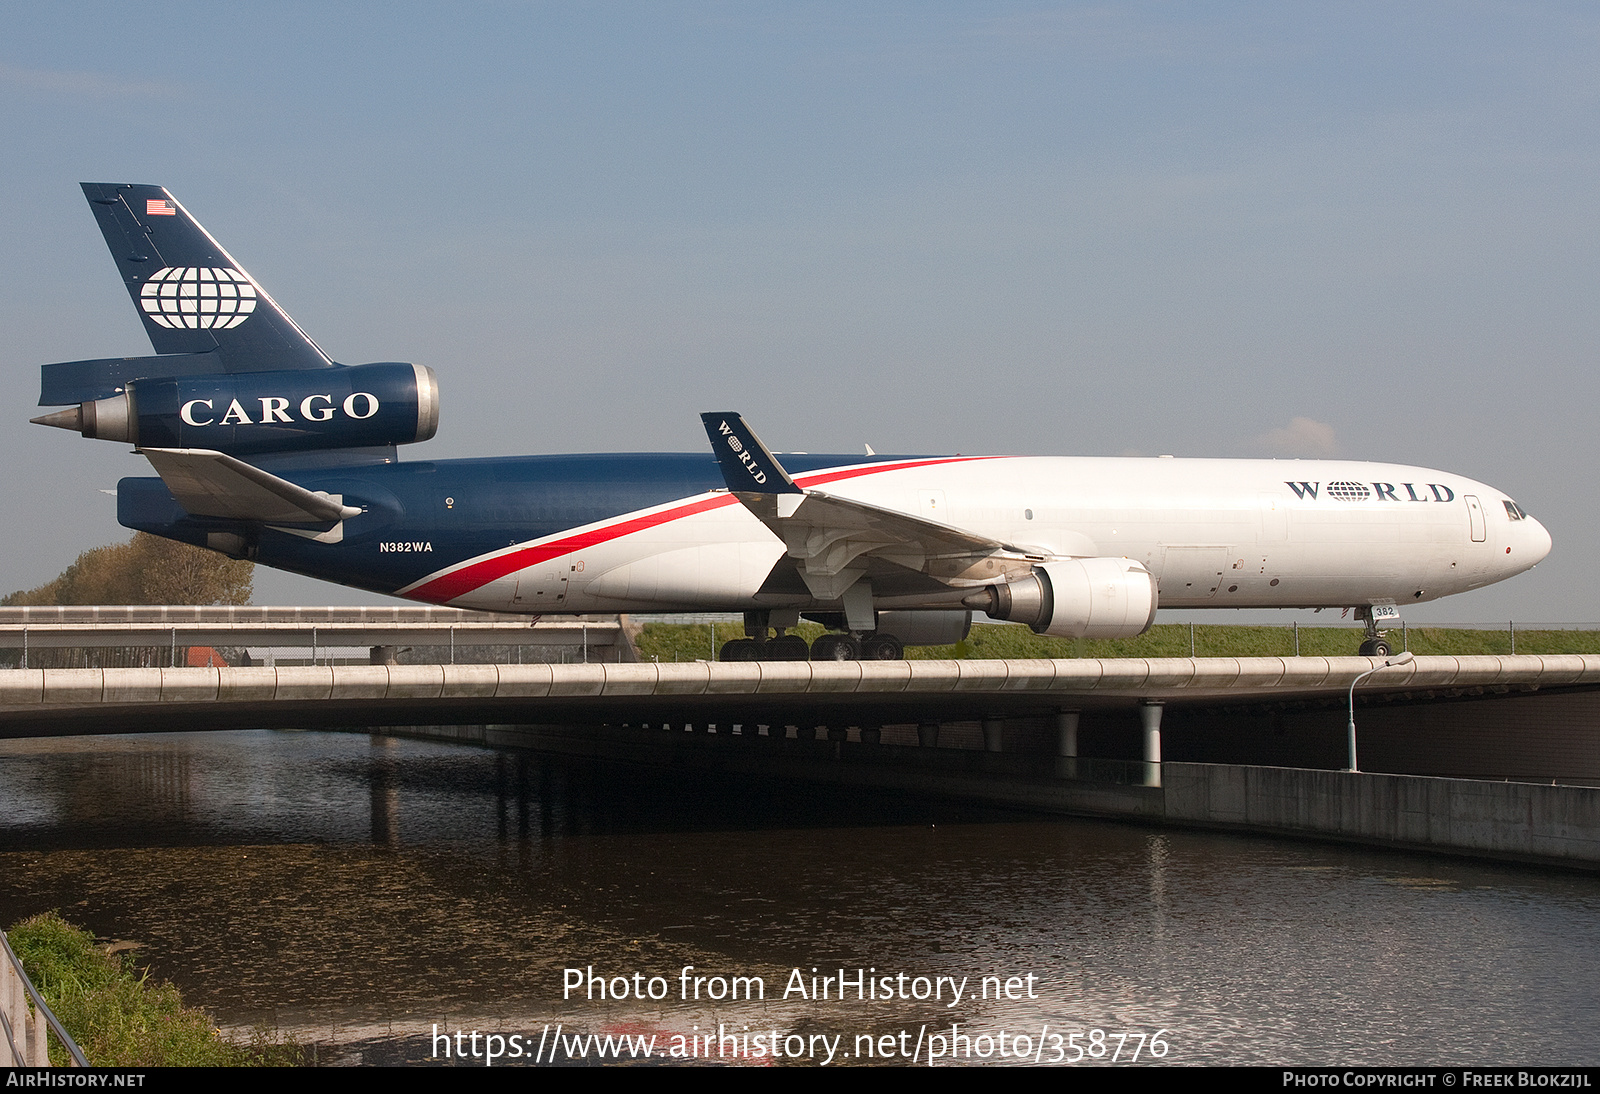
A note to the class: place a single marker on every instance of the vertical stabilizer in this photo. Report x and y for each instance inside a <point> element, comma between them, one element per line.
<point>190,293</point>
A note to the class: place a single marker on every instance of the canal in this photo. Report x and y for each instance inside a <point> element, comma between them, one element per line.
<point>369,895</point>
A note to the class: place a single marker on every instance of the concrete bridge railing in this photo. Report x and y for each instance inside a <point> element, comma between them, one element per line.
<point>1129,679</point>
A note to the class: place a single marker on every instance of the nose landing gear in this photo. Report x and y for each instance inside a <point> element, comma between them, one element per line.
<point>1376,642</point>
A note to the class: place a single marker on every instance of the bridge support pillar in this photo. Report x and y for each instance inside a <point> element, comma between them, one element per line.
<point>992,727</point>
<point>1067,733</point>
<point>1067,743</point>
<point>1150,716</point>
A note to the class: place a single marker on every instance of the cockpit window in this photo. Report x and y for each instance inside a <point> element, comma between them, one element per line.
<point>1514,511</point>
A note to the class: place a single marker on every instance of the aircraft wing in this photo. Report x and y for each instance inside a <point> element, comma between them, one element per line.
<point>835,541</point>
<point>212,484</point>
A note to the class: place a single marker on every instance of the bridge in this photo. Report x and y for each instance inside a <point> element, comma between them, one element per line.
<point>1462,743</point>
<point>1004,732</point>
<point>804,694</point>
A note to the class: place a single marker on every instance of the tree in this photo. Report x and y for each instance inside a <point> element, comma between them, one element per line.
<point>145,570</point>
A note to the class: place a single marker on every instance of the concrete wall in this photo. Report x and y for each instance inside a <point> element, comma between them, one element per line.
<point>1522,821</point>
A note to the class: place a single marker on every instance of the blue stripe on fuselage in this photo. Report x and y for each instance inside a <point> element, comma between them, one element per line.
<point>448,511</point>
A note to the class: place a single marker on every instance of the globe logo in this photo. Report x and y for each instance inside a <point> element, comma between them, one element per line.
<point>1348,491</point>
<point>198,298</point>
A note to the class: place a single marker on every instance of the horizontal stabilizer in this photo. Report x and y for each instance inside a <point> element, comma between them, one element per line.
<point>212,484</point>
<point>85,381</point>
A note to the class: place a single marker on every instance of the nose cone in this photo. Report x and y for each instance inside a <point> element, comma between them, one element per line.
<point>1538,544</point>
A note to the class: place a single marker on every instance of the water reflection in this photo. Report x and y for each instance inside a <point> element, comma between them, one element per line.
<point>385,792</point>
<point>360,890</point>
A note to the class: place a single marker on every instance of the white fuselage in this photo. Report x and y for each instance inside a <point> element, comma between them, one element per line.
<point>1215,533</point>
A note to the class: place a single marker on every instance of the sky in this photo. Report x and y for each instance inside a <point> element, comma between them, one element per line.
<point>1231,229</point>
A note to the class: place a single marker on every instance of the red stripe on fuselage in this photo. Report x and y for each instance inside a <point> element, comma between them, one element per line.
<point>471,576</point>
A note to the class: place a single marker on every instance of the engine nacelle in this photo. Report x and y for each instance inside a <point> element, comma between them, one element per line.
<point>1076,598</point>
<point>356,406</point>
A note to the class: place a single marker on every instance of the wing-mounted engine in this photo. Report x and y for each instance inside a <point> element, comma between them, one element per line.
<point>357,406</point>
<point>1076,598</point>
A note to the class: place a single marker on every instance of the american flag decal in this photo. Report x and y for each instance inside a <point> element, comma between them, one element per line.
<point>160,207</point>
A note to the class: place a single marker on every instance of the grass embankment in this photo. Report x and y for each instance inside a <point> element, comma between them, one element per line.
<point>118,1016</point>
<point>690,642</point>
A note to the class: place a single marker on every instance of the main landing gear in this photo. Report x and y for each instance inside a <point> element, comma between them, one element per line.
<point>848,647</point>
<point>788,646</point>
<point>827,647</point>
<point>785,647</point>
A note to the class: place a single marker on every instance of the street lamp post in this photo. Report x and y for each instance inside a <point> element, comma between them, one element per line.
<point>1398,659</point>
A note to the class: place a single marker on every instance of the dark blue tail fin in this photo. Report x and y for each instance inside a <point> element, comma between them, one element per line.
<point>189,292</point>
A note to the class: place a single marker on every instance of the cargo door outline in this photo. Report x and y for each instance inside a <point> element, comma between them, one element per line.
<point>545,585</point>
<point>1475,516</point>
<point>1191,573</point>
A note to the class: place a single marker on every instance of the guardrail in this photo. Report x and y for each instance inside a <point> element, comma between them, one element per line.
<point>1398,632</point>
<point>26,1038</point>
<point>1035,682</point>
<point>169,629</point>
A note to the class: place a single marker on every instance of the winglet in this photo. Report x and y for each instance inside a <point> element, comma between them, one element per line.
<point>747,466</point>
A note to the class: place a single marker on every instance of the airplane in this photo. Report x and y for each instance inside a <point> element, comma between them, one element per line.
<point>269,450</point>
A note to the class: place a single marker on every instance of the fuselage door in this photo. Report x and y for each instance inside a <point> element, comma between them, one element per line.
<point>1475,515</point>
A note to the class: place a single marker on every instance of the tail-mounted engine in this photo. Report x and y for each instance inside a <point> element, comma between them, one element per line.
<point>1076,598</point>
<point>356,406</point>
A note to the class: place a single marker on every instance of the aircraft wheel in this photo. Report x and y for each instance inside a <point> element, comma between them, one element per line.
<point>1375,647</point>
<point>790,647</point>
<point>836,647</point>
<point>882,647</point>
<point>740,649</point>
